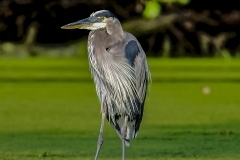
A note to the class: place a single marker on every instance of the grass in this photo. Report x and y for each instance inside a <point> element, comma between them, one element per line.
<point>49,110</point>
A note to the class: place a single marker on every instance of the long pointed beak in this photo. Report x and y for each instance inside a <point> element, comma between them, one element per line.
<point>81,24</point>
<point>88,23</point>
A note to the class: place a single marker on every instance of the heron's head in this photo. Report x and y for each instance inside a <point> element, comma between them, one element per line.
<point>97,20</point>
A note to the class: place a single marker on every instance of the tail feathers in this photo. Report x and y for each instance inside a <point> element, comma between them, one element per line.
<point>127,142</point>
<point>131,131</point>
<point>130,134</point>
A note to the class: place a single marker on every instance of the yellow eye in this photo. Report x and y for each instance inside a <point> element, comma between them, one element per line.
<point>102,18</point>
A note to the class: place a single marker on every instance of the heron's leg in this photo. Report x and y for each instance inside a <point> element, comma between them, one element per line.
<point>124,134</point>
<point>100,137</point>
<point>123,149</point>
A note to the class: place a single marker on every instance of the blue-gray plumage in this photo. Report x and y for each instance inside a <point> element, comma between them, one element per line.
<point>120,71</point>
<point>131,51</point>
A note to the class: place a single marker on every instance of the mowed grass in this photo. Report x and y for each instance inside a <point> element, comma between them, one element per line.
<point>49,110</point>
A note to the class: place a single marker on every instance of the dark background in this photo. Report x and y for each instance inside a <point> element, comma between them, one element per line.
<point>196,28</point>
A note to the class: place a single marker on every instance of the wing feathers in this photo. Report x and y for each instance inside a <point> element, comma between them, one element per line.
<point>121,82</point>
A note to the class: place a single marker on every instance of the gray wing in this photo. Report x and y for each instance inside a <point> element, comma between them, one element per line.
<point>137,59</point>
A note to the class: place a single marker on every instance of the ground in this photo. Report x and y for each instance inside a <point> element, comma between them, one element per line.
<point>49,110</point>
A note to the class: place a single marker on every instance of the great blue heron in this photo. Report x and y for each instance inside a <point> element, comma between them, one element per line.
<point>120,72</point>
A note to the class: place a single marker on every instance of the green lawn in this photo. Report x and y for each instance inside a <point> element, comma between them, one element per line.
<point>49,110</point>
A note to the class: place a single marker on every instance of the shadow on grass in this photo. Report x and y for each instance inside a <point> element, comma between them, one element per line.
<point>160,142</point>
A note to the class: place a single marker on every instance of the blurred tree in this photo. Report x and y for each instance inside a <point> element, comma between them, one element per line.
<point>169,27</point>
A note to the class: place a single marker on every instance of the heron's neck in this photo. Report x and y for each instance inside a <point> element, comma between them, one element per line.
<point>107,37</point>
<point>114,28</point>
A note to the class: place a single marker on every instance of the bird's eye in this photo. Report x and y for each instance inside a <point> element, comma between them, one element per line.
<point>102,18</point>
